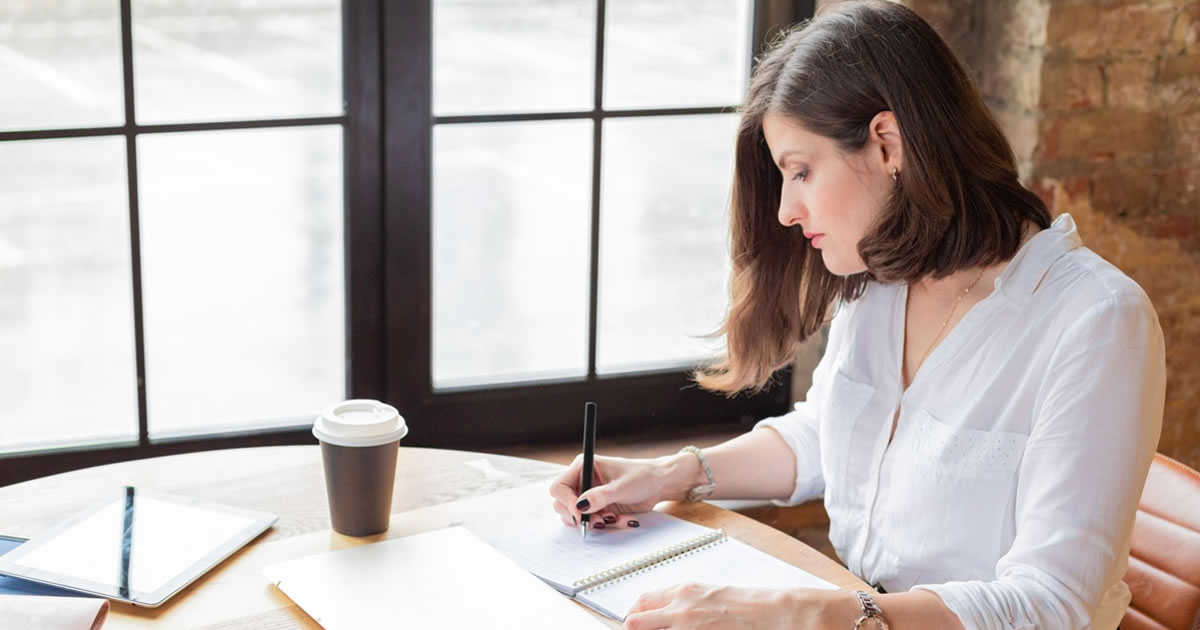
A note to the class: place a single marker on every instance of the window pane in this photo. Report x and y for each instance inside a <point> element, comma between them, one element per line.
<point>504,56</point>
<point>60,64</point>
<point>66,309</point>
<point>511,225</point>
<point>676,53</point>
<point>663,231</point>
<point>236,59</point>
<point>242,276</point>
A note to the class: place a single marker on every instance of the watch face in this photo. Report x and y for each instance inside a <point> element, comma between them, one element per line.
<point>870,623</point>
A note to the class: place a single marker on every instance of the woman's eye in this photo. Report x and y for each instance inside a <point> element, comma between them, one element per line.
<point>801,175</point>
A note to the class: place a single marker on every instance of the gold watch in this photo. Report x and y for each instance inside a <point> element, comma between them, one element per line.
<point>703,490</point>
<point>872,617</point>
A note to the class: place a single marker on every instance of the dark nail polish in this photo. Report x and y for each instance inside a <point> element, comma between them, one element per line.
<point>610,519</point>
<point>598,525</point>
<point>583,504</point>
<point>574,522</point>
<point>634,524</point>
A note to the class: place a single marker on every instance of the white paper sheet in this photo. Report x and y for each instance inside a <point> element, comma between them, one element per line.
<point>442,579</point>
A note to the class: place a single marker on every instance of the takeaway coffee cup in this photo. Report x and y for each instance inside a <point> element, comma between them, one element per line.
<point>359,442</point>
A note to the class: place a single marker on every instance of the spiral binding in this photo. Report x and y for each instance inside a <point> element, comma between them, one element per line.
<point>668,554</point>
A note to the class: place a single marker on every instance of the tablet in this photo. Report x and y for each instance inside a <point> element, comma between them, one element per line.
<point>136,545</point>
<point>10,585</point>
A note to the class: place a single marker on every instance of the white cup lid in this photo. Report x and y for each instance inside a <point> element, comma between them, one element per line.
<point>359,423</point>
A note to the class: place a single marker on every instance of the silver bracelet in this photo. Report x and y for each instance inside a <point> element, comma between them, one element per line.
<point>705,489</point>
<point>872,616</point>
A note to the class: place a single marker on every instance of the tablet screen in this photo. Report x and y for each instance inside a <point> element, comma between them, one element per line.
<point>137,545</point>
<point>10,585</point>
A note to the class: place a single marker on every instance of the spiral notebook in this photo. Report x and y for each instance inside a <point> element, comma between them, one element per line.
<point>613,567</point>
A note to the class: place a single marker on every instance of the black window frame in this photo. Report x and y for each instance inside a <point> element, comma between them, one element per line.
<point>388,124</point>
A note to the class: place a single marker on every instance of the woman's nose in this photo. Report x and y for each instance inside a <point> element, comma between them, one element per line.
<point>791,212</point>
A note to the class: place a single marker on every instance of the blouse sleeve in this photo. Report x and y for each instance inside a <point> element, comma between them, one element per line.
<point>800,428</point>
<point>1096,426</point>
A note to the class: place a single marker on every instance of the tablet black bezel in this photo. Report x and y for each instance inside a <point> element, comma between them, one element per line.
<point>260,522</point>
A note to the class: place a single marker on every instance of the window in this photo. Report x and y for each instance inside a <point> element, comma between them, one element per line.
<point>512,195</point>
<point>576,195</point>
<point>219,217</point>
<point>172,236</point>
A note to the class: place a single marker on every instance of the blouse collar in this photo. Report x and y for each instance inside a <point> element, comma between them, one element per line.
<point>1027,268</point>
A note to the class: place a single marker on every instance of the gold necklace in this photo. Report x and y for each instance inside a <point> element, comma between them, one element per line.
<point>908,300</point>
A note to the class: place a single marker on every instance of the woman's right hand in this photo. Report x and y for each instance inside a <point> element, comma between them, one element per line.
<point>620,487</point>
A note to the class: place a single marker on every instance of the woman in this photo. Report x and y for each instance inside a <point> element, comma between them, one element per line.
<point>984,416</point>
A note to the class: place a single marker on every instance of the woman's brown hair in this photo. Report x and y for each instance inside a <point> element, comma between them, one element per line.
<point>958,202</point>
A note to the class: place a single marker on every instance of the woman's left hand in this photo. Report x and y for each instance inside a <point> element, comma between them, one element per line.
<point>729,607</point>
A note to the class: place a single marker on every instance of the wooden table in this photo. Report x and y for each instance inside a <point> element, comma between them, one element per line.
<point>434,489</point>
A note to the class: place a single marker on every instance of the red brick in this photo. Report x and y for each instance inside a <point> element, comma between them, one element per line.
<point>1125,191</point>
<point>1181,228</point>
<point>1090,31</point>
<point>1131,84</point>
<point>1102,135</point>
<point>1050,137</point>
<point>1074,188</point>
<point>1071,85</point>
<point>1077,185</point>
<point>1185,136</point>
<point>1186,31</point>
<point>1177,226</point>
<point>1179,186</point>
<point>1179,80</point>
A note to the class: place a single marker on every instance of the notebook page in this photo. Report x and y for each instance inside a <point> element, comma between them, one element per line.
<point>727,563</point>
<point>441,579</point>
<point>556,553</point>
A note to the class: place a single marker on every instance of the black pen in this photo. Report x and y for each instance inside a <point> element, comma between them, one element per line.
<point>589,452</point>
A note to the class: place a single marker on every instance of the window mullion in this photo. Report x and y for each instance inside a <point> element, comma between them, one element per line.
<point>130,131</point>
<point>362,165</point>
<point>597,137</point>
<point>407,164</point>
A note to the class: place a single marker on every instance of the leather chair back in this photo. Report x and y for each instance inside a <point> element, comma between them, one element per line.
<point>1164,558</point>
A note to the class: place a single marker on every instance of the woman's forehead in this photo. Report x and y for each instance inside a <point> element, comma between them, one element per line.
<point>787,136</point>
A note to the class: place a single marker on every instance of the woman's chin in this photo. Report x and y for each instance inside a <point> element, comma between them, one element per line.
<point>841,267</point>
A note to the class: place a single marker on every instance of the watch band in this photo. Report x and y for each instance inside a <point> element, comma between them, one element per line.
<point>872,616</point>
<point>705,489</point>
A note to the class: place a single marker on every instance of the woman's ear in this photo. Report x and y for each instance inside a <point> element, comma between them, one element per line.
<point>886,143</point>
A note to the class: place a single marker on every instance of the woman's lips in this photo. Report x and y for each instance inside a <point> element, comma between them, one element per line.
<point>815,238</point>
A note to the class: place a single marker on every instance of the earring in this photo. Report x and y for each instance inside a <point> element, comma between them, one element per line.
<point>895,174</point>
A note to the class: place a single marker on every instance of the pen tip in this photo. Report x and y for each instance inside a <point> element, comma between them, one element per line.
<point>583,531</point>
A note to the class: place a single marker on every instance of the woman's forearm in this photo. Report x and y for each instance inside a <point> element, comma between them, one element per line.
<point>755,465</point>
<point>916,610</point>
<point>838,610</point>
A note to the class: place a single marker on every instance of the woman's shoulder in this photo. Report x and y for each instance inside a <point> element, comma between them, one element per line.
<point>1082,283</point>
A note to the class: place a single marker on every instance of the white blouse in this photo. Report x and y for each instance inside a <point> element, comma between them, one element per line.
<point>1022,446</point>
